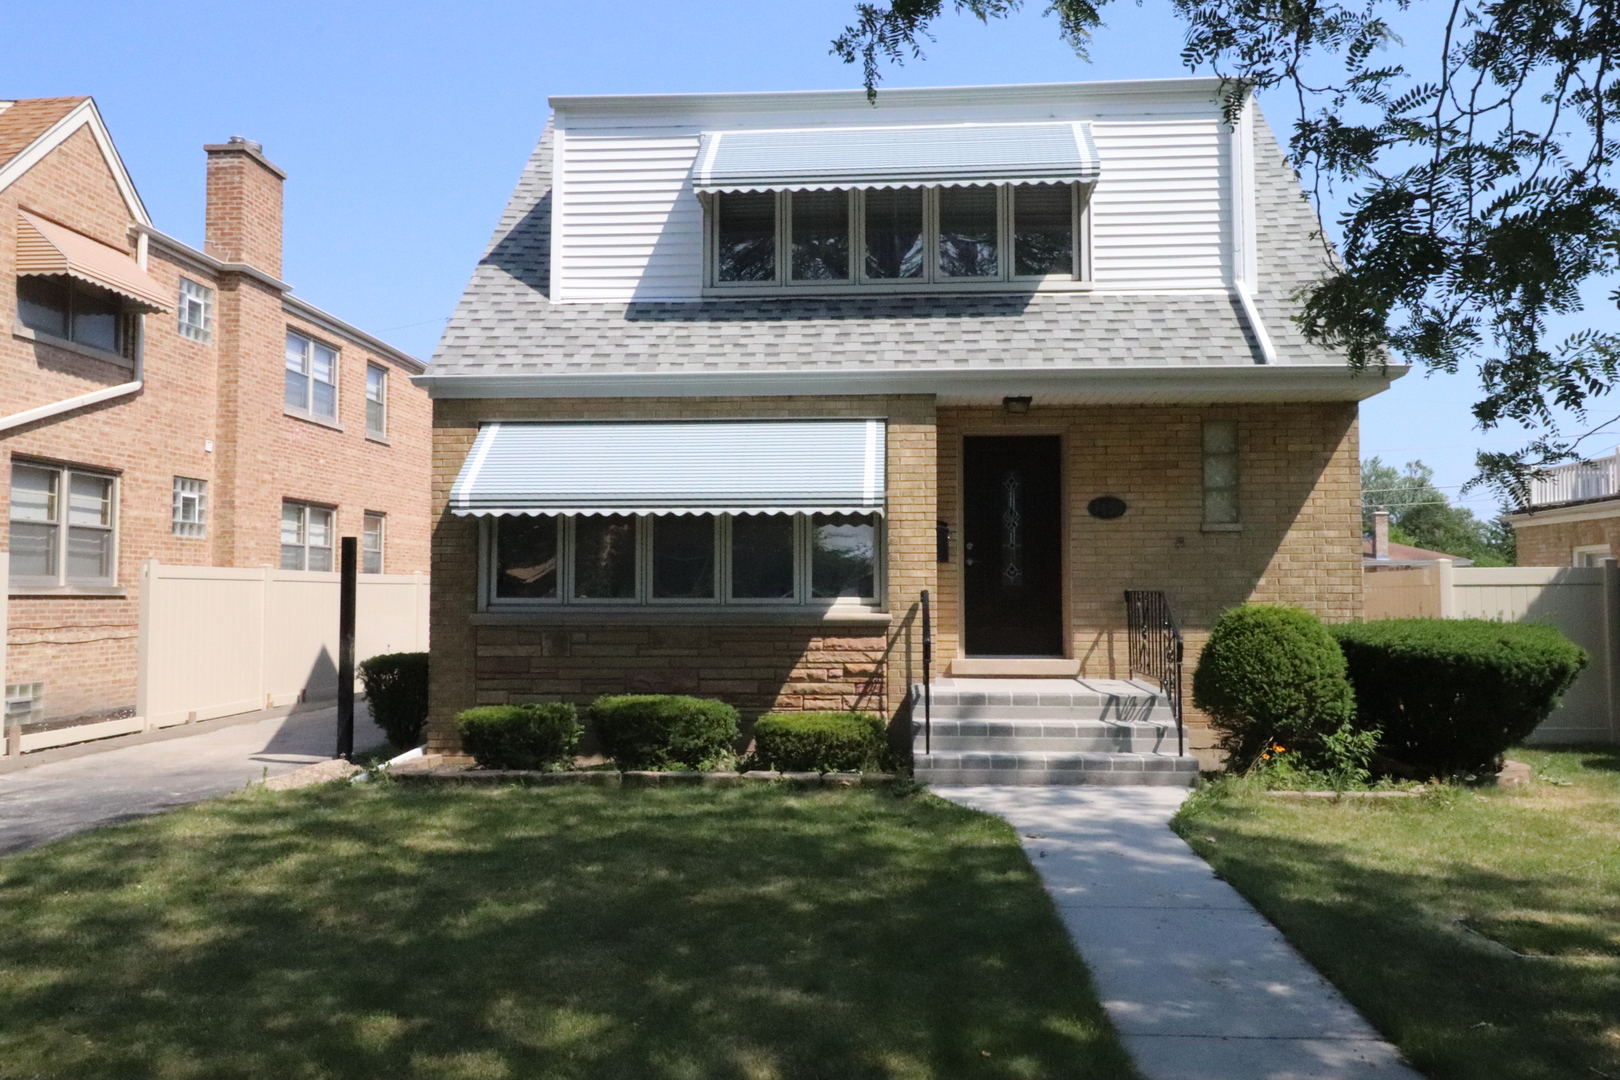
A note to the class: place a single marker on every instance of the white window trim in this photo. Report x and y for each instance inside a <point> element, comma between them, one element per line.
<point>644,600</point>
<point>205,332</point>
<point>201,495</point>
<point>61,581</point>
<point>1602,551</point>
<point>931,280</point>
<point>307,412</point>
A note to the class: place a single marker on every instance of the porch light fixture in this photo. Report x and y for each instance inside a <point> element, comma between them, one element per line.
<point>1017,406</point>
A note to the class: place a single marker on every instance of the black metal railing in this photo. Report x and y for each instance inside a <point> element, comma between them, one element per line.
<point>907,630</point>
<point>1156,648</point>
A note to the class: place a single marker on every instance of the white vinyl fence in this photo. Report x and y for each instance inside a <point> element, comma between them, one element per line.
<point>1582,602</point>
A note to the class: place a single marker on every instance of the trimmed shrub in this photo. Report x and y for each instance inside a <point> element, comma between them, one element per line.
<point>520,736</point>
<point>822,742</point>
<point>661,731</point>
<point>397,692</point>
<point>1451,695</point>
<point>1274,676</point>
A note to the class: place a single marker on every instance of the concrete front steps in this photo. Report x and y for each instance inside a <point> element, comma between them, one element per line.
<point>1031,732</point>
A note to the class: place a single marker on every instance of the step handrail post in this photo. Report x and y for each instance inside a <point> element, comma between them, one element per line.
<point>927,663</point>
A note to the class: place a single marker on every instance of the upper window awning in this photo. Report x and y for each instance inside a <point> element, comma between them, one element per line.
<point>44,247</point>
<point>674,467</point>
<point>870,157</point>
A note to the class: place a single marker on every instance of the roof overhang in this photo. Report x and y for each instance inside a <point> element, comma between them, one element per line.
<point>46,248</point>
<point>1591,510</point>
<point>82,115</point>
<point>956,386</point>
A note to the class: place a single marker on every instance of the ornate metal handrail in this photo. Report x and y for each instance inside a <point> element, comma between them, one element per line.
<point>904,629</point>
<point>1156,648</point>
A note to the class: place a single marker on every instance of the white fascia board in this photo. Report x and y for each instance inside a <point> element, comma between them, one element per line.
<point>1564,515</point>
<point>84,114</point>
<point>331,323</point>
<point>1167,385</point>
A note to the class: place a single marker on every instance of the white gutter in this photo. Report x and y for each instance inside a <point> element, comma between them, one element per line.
<point>1268,351</point>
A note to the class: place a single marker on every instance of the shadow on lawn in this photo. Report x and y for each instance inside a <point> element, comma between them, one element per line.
<point>554,933</point>
<point>1457,1006</point>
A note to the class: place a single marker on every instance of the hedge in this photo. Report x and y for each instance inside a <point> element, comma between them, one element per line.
<point>397,692</point>
<point>1273,675</point>
<point>660,731</point>
<point>1451,695</point>
<point>822,742</point>
<point>520,736</point>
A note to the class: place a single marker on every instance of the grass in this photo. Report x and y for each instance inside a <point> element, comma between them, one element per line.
<point>393,931</point>
<point>1415,908</point>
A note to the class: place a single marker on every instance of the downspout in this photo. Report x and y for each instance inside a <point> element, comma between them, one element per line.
<point>95,397</point>
<point>1268,351</point>
<point>1245,261</point>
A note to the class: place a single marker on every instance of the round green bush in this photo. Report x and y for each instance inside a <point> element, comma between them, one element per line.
<point>1451,695</point>
<point>1273,675</point>
<point>520,736</point>
<point>661,731</point>
<point>397,694</point>
<point>821,742</point>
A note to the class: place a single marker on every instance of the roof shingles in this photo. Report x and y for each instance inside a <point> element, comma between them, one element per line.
<point>26,119</point>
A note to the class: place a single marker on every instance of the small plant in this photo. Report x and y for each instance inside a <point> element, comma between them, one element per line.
<point>397,693</point>
<point>664,731</point>
<point>821,742</point>
<point>520,736</point>
<point>1272,676</point>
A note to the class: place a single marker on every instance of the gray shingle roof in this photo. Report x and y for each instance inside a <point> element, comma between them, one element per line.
<point>507,325</point>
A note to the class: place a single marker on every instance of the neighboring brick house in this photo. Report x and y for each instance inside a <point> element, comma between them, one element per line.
<point>740,375</point>
<point>1572,516</point>
<point>147,406</point>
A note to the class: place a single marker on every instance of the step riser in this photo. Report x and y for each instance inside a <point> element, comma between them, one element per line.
<point>1053,778</point>
<point>1055,714</point>
<point>1003,744</point>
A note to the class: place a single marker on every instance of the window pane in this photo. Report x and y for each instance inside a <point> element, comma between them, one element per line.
<point>371,544</point>
<point>967,231</point>
<point>95,318</point>
<point>297,389</point>
<point>320,558</point>
<point>1220,470</point>
<point>320,528</point>
<point>33,493</point>
<point>1220,506</point>
<point>1043,229</point>
<point>374,417</point>
<point>762,557</point>
<point>747,245</point>
<point>894,235</point>
<point>292,524</point>
<point>1220,436</point>
<point>89,500</point>
<point>324,364</point>
<point>323,387</point>
<point>605,556</point>
<point>843,555</point>
<point>376,378</point>
<point>292,557</point>
<point>526,556</point>
<point>42,304</point>
<point>820,236</point>
<point>89,554</point>
<point>324,401</point>
<point>33,550</point>
<point>683,556</point>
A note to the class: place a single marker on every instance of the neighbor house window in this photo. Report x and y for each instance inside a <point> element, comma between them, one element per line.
<point>1220,472</point>
<point>62,526</point>
<point>376,401</point>
<point>190,507</point>
<point>306,536</point>
<point>196,311</point>
<point>686,558</point>
<point>63,307</point>
<point>1591,555</point>
<point>371,544</point>
<point>311,385</point>
<point>949,236</point>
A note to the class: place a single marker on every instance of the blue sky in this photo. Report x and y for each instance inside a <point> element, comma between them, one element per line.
<point>403,126</point>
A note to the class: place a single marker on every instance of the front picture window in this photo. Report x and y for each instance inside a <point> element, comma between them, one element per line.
<point>526,564</point>
<point>762,557</point>
<point>605,557</point>
<point>62,526</point>
<point>311,378</point>
<point>843,555</point>
<point>683,557</point>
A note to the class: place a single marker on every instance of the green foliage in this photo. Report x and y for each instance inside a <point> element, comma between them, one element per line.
<point>1450,695</point>
<point>661,731</point>
<point>397,693</point>
<point>1421,515</point>
<point>1272,676</point>
<point>820,741</point>
<point>520,736</point>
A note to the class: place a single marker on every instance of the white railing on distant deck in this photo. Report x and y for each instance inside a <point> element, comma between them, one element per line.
<point>1577,480</point>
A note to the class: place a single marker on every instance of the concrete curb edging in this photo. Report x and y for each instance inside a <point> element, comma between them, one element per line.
<point>636,778</point>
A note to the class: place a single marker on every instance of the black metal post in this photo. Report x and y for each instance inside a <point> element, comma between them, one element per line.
<point>345,673</point>
<point>928,693</point>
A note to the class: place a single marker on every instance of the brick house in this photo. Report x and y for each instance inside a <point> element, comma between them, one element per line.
<point>161,402</point>
<point>741,375</point>
<point>1571,516</point>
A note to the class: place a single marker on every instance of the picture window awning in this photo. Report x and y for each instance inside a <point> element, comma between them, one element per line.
<point>887,157</point>
<point>674,467</point>
<point>44,247</point>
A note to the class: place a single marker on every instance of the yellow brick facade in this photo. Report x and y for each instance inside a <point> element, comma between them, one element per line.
<point>1553,543</point>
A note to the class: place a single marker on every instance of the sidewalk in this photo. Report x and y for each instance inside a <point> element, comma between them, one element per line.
<point>61,797</point>
<point>1199,985</point>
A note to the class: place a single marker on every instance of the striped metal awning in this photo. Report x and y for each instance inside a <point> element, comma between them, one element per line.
<point>674,467</point>
<point>44,247</point>
<point>886,157</point>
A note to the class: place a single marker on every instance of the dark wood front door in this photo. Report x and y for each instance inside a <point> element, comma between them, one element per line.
<point>1012,550</point>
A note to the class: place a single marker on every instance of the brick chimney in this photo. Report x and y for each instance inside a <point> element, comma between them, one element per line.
<point>1381,534</point>
<point>244,206</point>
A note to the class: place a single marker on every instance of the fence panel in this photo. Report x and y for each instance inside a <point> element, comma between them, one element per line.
<point>1402,594</point>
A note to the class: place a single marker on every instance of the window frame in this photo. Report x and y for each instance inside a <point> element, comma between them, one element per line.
<point>129,325</point>
<point>643,600</point>
<point>205,332</point>
<point>1587,551</point>
<point>64,487</point>
<point>200,495</point>
<point>307,412</point>
<point>381,520</point>
<point>931,279</point>
<point>381,431</point>
<point>305,507</point>
<point>1205,488</point>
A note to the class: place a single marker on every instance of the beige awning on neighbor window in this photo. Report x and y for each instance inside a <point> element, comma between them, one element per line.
<point>44,247</point>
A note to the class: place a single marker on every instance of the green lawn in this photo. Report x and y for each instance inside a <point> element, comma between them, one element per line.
<point>392,931</point>
<point>1411,906</point>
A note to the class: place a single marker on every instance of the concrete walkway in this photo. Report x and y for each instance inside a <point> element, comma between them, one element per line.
<point>1199,985</point>
<point>58,798</point>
